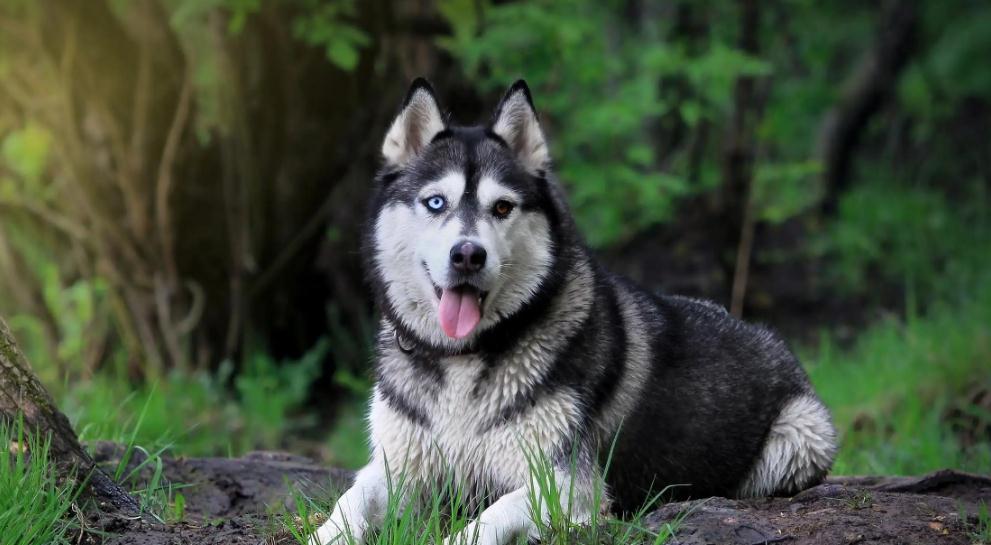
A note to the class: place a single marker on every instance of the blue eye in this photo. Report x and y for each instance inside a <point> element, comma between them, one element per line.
<point>435,203</point>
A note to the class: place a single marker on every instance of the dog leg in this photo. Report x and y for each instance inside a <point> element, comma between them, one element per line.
<point>512,515</point>
<point>360,507</point>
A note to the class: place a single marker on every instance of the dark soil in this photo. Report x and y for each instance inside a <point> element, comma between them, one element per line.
<point>228,500</point>
<point>935,508</point>
<point>238,501</point>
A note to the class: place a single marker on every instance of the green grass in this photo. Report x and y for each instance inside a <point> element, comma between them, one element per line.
<point>145,478</point>
<point>196,413</point>
<point>33,504</point>
<point>443,510</point>
<point>980,532</point>
<point>897,392</point>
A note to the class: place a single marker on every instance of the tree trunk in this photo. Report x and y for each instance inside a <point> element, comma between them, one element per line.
<point>738,159</point>
<point>863,96</point>
<point>23,396</point>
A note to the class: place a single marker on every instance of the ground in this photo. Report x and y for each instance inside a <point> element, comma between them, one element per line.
<point>238,500</point>
<point>844,510</point>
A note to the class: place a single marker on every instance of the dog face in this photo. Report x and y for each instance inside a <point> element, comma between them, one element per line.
<point>464,218</point>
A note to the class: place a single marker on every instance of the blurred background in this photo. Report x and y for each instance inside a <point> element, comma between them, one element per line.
<point>183,184</point>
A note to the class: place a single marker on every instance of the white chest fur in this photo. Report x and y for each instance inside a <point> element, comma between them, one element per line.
<point>467,434</point>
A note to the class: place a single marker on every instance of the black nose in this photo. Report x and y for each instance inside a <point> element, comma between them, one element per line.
<point>467,257</point>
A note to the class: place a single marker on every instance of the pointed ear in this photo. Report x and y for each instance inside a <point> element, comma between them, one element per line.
<point>516,122</point>
<point>415,126</point>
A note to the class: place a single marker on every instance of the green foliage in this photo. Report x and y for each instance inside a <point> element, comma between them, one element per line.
<point>78,312</point>
<point>933,87</point>
<point>631,104</point>
<point>597,80</point>
<point>325,24</point>
<point>782,190</point>
<point>910,236</point>
<point>194,412</point>
<point>33,504</point>
<point>26,152</point>
<point>896,394</point>
<point>270,393</point>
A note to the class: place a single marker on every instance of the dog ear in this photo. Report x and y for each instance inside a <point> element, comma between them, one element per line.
<point>415,126</point>
<point>515,121</point>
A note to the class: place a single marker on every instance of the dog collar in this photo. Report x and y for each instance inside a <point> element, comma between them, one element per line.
<point>404,344</point>
<point>408,345</point>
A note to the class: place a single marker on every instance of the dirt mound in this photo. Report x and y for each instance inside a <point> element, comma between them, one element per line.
<point>232,501</point>
<point>936,508</point>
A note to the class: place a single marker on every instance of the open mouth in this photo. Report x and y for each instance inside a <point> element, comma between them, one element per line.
<point>460,309</point>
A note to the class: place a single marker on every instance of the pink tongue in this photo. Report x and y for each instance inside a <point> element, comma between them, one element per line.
<point>459,312</point>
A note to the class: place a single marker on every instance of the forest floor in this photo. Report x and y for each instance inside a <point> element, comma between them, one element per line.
<point>246,500</point>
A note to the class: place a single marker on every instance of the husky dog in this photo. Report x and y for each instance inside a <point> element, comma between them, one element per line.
<point>501,336</point>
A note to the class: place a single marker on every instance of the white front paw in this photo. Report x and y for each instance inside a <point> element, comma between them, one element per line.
<point>327,534</point>
<point>472,534</point>
<point>335,532</point>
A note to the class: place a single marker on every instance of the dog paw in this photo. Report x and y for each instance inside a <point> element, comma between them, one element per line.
<point>459,538</point>
<point>325,536</point>
<point>331,534</point>
<point>472,534</point>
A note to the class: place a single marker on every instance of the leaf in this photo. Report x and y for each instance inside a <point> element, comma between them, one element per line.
<point>342,54</point>
<point>640,154</point>
<point>26,151</point>
<point>691,112</point>
<point>327,25</point>
<point>179,508</point>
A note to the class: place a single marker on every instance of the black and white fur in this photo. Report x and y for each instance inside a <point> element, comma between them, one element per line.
<point>566,358</point>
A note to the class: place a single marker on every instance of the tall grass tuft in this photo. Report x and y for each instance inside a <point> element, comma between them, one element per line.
<point>442,510</point>
<point>33,503</point>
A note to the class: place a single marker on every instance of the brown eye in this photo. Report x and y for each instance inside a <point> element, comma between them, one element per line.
<point>501,209</point>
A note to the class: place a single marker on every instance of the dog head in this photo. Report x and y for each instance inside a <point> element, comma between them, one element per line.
<point>464,221</point>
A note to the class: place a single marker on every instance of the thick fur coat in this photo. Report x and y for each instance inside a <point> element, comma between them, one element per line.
<point>501,336</point>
